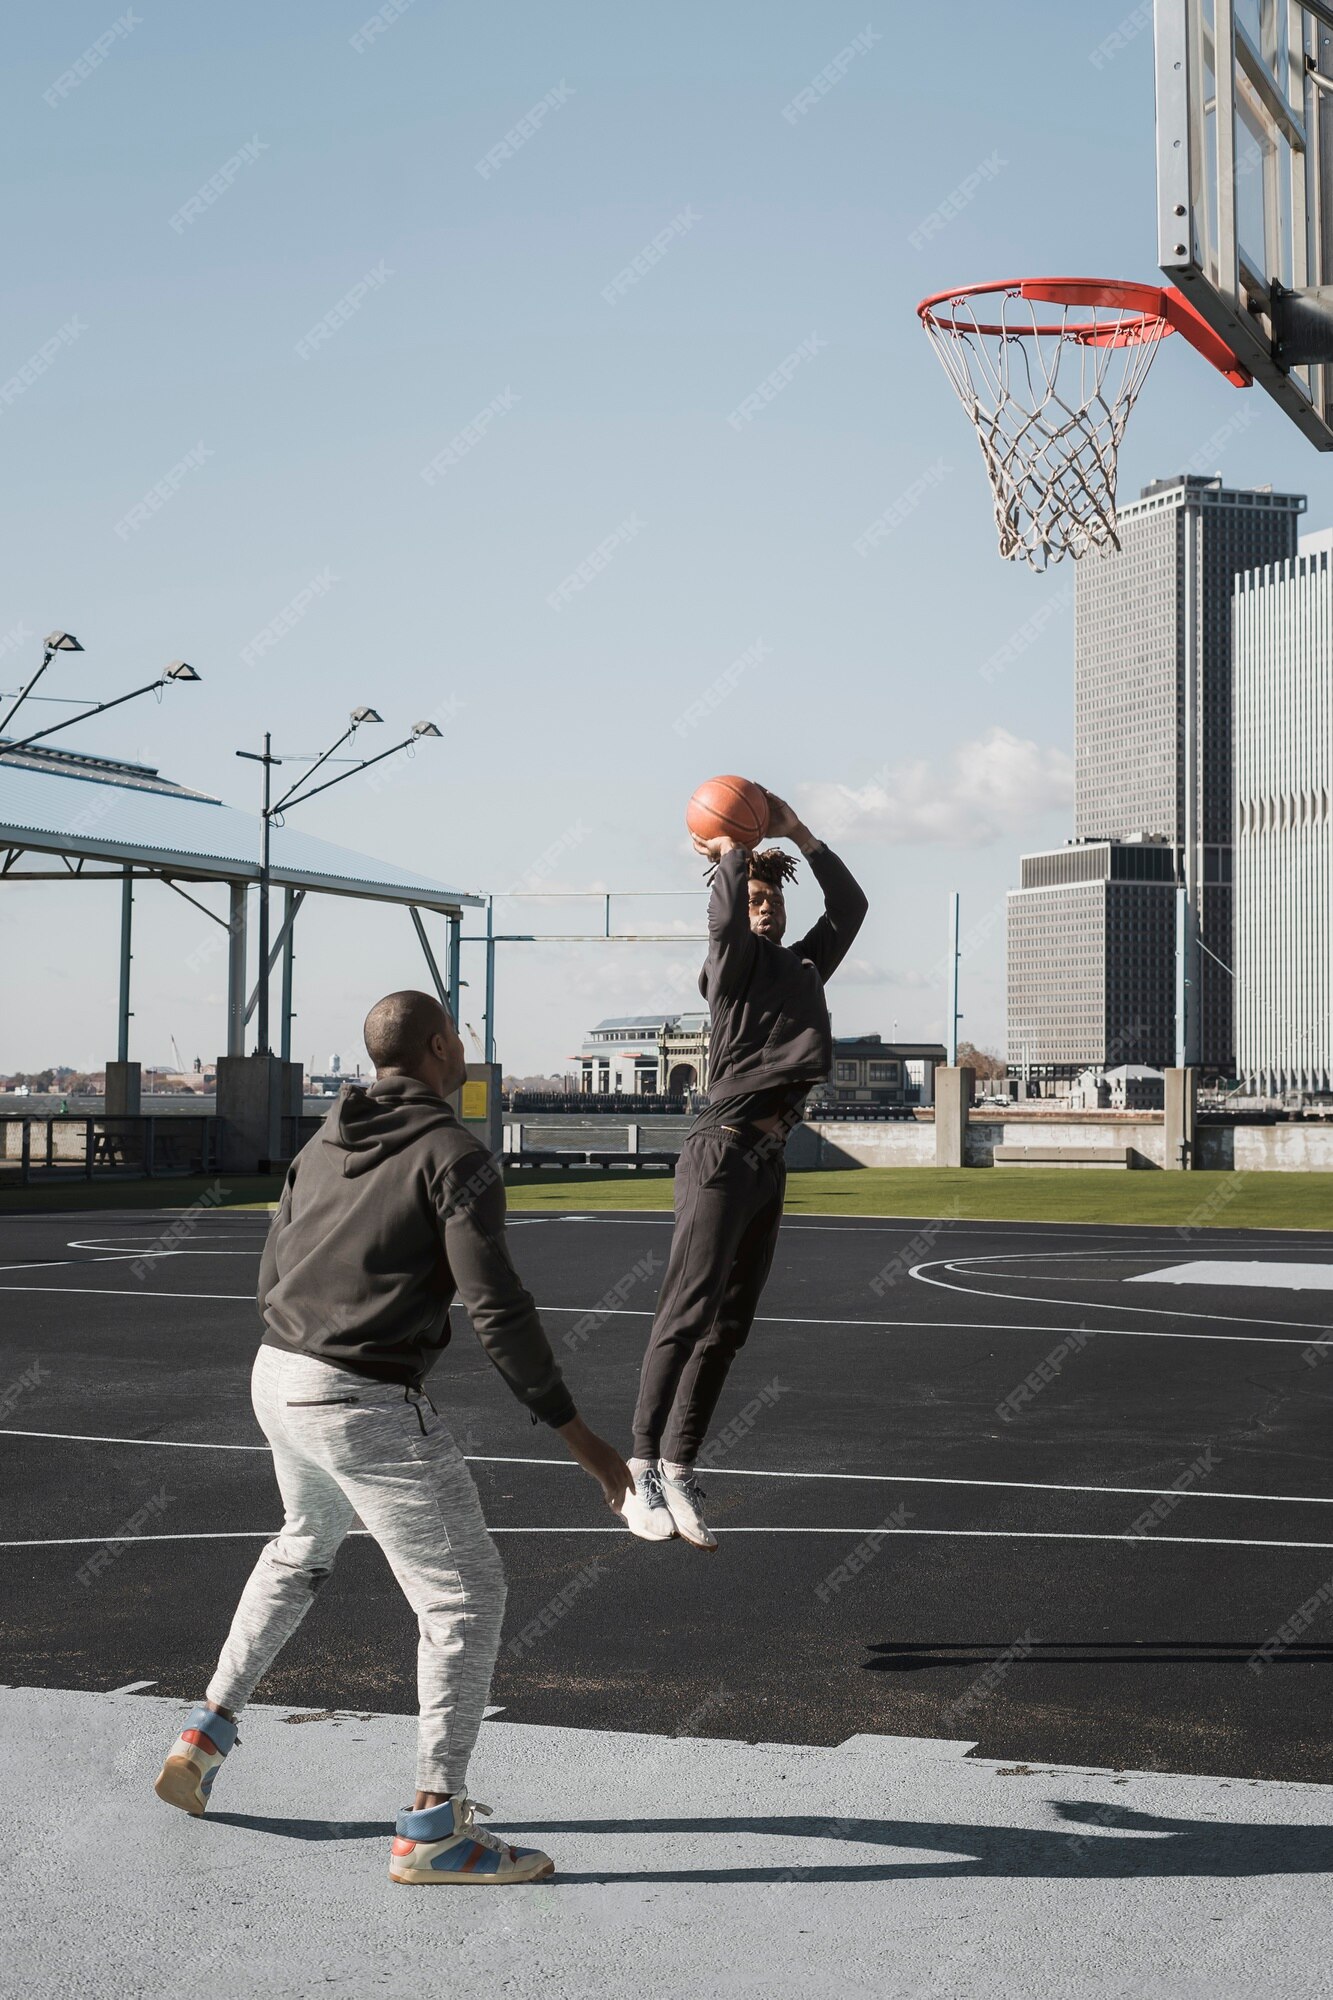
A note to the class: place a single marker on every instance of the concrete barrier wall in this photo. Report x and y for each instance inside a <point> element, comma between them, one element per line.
<point>1292,1149</point>
<point>1295,1148</point>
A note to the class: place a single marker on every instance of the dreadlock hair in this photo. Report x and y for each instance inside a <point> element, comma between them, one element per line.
<point>772,865</point>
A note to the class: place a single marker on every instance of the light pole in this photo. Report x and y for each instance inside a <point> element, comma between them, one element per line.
<point>179,670</point>
<point>297,794</point>
<point>56,642</point>
<point>951,1035</point>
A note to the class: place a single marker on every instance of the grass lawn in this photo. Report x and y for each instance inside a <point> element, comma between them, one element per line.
<point>982,1194</point>
<point>978,1194</point>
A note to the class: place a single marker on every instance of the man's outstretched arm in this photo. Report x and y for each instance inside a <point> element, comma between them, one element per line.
<point>470,1201</point>
<point>829,941</point>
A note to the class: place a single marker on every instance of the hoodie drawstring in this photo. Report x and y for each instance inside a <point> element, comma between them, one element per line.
<point>420,1398</point>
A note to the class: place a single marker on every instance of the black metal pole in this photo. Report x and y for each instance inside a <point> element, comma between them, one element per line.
<point>263,900</point>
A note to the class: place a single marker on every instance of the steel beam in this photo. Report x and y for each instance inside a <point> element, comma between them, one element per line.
<point>440,987</point>
<point>277,948</point>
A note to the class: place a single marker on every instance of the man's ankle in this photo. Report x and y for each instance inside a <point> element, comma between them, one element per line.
<point>228,1714</point>
<point>425,1800</point>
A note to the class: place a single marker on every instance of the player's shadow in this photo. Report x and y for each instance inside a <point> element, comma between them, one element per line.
<point>306,1829</point>
<point>898,1656</point>
<point>1120,1845</point>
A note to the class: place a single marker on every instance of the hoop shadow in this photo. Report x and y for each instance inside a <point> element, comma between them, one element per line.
<point>905,1656</point>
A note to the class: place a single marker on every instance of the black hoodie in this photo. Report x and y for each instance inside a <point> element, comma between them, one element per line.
<point>388,1212</point>
<point>770,1021</point>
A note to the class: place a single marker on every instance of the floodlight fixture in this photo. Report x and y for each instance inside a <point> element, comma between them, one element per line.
<point>55,642</point>
<point>178,670</point>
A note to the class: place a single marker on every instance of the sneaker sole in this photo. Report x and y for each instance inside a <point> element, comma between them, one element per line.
<point>459,1881</point>
<point>639,1537</point>
<point>178,1785</point>
<point>705,1548</point>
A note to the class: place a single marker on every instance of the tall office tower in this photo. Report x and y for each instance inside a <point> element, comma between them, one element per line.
<point>1152,637</point>
<point>1283,625</point>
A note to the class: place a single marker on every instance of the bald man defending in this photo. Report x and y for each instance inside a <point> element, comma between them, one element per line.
<point>390,1211</point>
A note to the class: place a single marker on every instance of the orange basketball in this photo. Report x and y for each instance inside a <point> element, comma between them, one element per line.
<point>731,806</point>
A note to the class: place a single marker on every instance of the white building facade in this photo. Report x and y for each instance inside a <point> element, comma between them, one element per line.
<point>1283,665</point>
<point>645,1055</point>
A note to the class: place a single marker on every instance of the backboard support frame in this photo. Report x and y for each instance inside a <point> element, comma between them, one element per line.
<point>1245,186</point>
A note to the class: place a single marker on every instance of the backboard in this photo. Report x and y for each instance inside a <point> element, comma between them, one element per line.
<point>1245,186</point>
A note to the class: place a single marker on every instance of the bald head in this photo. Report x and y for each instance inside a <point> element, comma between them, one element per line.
<point>411,1034</point>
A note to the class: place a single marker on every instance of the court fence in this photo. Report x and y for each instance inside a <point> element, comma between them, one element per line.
<point>68,1147</point>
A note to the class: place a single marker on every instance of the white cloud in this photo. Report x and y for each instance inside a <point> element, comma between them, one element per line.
<point>988,789</point>
<point>865,972</point>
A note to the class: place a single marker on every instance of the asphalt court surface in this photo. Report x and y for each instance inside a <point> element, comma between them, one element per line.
<point>997,1483</point>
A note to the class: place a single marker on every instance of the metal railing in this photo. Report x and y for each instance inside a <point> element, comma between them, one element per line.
<point>595,1104</point>
<point>66,1147</point>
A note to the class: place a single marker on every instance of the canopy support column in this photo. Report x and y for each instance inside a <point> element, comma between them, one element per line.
<point>236,957</point>
<point>126,931</point>
<point>292,900</point>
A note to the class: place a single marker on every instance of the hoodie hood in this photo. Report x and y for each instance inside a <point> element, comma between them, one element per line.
<point>370,1125</point>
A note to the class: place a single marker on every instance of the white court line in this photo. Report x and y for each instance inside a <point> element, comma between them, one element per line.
<point>61,1263</point>
<point>123,1542</point>
<point>132,1687</point>
<point>956,1264</point>
<point>788,1319</point>
<point>121,1292</point>
<point>749,1472</point>
<point>174,1444</point>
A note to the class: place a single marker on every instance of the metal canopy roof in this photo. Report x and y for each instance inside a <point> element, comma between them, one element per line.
<point>95,808</point>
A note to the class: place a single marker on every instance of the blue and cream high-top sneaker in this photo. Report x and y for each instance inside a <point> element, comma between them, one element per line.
<point>186,1779</point>
<point>442,1844</point>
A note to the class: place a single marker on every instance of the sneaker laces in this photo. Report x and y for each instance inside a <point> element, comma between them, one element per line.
<point>649,1483</point>
<point>465,1823</point>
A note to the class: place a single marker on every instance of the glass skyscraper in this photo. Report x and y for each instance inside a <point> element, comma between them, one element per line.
<point>1092,928</point>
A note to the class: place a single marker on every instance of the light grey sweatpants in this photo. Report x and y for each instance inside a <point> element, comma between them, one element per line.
<point>344,1445</point>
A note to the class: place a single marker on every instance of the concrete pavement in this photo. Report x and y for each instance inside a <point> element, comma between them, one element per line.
<point>888,1866</point>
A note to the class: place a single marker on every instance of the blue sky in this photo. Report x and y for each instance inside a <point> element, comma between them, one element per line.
<point>487,291</point>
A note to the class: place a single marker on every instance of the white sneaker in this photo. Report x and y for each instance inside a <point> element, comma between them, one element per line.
<point>684,1500</point>
<point>644,1511</point>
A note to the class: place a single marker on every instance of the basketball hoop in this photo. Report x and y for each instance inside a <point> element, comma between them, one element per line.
<point>1050,395</point>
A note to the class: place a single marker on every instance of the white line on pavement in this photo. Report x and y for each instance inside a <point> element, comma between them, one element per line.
<point>788,1319</point>
<point>123,1542</point>
<point>959,1264</point>
<point>753,1472</point>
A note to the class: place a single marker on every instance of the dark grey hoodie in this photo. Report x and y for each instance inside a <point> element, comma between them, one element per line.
<point>388,1212</point>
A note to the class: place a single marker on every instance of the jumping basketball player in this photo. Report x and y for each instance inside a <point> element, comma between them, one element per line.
<point>770,1043</point>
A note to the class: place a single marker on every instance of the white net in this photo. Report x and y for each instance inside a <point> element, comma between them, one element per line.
<point>1049,389</point>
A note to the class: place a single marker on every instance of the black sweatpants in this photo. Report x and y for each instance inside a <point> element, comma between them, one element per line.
<point>729,1187</point>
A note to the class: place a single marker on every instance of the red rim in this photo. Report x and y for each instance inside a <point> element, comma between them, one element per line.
<point>1144,306</point>
<point>1148,312</point>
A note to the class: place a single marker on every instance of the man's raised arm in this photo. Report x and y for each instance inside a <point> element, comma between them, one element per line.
<point>828,942</point>
<point>731,942</point>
